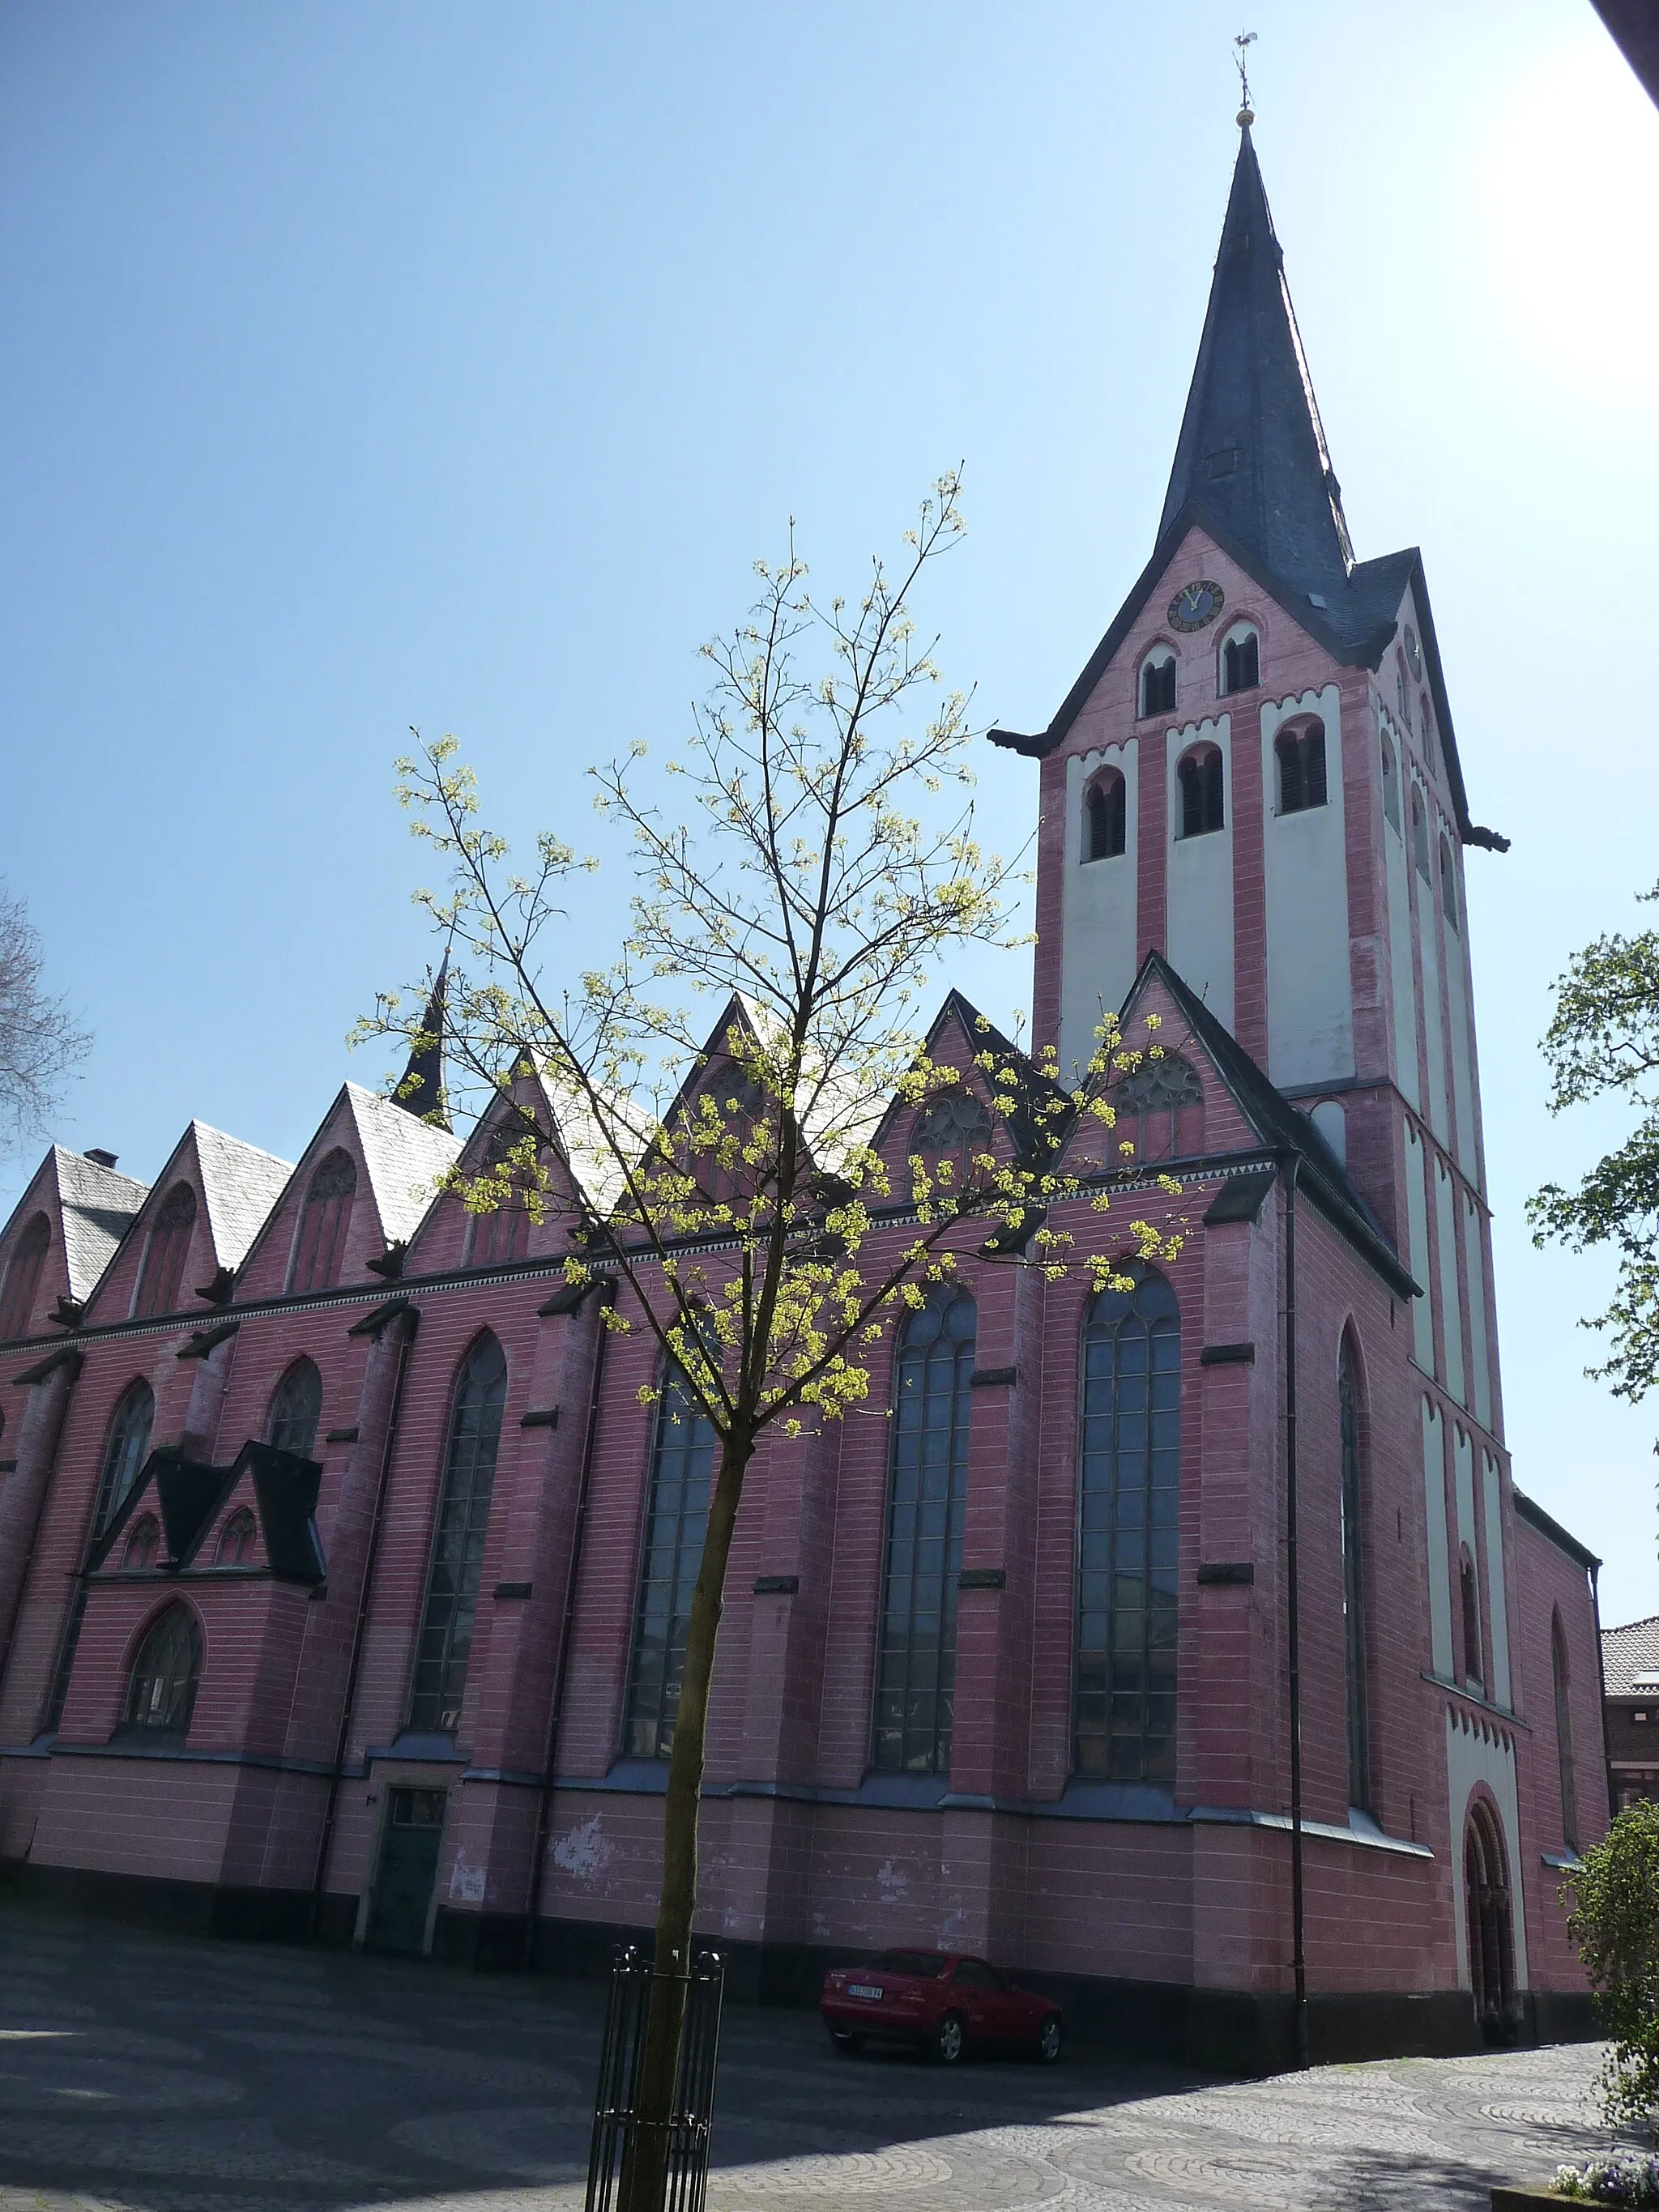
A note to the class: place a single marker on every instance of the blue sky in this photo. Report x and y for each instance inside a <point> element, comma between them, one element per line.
<point>369,364</point>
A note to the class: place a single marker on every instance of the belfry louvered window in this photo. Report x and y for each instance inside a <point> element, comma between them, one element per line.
<point>296,1406</point>
<point>675,1519</point>
<point>1200,779</point>
<point>23,1278</point>
<point>1301,756</point>
<point>1105,816</point>
<point>457,1542</point>
<point>1241,662</point>
<point>1129,1492</point>
<point>320,1245</point>
<point>163,1273</point>
<point>1157,684</point>
<point>926,1505</point>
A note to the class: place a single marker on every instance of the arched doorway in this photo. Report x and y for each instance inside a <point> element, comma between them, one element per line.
<point>1490,1925</point>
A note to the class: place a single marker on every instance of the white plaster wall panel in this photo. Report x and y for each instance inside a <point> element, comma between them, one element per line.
<point>1476,1753</point>
<point>1098,909</point>
<point>1480,1343</point>
<point>1496,1591</point>
<point>1417,1229</point>
<point>1463,1063</point>
<point>1439,1554</point>
<point>1200,879</point>
<point>1434,1027</point>
<point>1396,873</point>
<point>1305,875</point>
<point>1451,1306</point>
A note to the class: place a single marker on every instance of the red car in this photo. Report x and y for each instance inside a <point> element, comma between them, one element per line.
<point>939,2000</point>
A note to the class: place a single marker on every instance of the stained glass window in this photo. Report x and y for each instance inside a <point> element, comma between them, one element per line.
<point>296,1409</point>
<point>927,1504</point>
<point>675,1521</point>
<point>457,1544</point>
<point>1129,1490</point>
<point>162,1693</point>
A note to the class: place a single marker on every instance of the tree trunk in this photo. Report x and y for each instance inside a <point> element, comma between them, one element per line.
<point>645,2176</point>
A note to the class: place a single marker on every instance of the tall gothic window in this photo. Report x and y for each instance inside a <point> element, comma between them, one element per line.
<point>458,1541</point>
<point>126,1449</point>
<point>1157,684</point>
<point>163,1273</point>
<point>1124,1712</point>
<point>162,1694</point>
<point>1200,776</point>
<point>23,1278</point>
<point>1301,756</point>
<point>1353,1585</point>
<point>1468,1590</point>
<point>1564,1735</point>
<point>321,1246</point>
<point>928,1501</point>
<point>675,1519</point>
<point>1160,1111</point>
<point>296,1409</point>
<point>1105,816</point>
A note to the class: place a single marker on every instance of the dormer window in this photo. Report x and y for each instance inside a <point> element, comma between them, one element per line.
<point>1158,682</point>
<point>1240,660</point>
<point>1301,756</point>
<point>1105,816</point>
<point>1200,777</point>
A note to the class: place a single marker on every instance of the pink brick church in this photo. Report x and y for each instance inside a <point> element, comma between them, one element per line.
<point>344,1576</point>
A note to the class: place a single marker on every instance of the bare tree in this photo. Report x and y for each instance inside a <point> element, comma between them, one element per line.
<point>40,1045</point>
<point>736,1188</point>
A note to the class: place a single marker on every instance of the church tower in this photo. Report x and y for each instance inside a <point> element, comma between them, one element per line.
<point>1256,776</point>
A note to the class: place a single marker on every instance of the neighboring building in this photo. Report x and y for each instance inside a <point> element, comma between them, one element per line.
<point>343,1573</point>
<point>1630,1667</point>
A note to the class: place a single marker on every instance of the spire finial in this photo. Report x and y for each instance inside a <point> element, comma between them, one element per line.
<point>1241,62</point>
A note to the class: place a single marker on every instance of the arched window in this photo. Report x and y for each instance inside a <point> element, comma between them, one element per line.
<point>955,1126</point>
<point>1419,837</point>
<point>1353,1583</point>
<point>1425,722</point>
<point>503,1235</point>
<point>1300,754</point>
<point>1241,661</point>
<point>1105,816</point>
<point>928,1501</point>
<point>125,1450</point>
<point>1564,1735</point>
<point>1390,785</point>
<point>23,1278</point>
<point>1124,1711</point>
<point>163,1272</point>
<point>144,1538</point>
<point>1158,682</point>
<point>1469,1588</point>
<point>296,1406</point>
<point>323,1219</point>
<point>675,1519</point>
<point>1160,1111</point>
<point>1447,881</point>
<point>165,1675</point>
<point>1490,1921</point>
<point>235,1540</point>
<point>458,1541</point>
<point>1200,776</point>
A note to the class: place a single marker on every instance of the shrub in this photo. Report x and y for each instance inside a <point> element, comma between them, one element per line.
<point>1615,1924</point>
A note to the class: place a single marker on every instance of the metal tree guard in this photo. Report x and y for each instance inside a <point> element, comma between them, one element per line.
<point>617,2127</point>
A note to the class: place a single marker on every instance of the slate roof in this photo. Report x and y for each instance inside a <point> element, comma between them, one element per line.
<point>1630,1658</point>
<point>403,1158</point>
<point>241,1184</point>
<point>98,1206</point>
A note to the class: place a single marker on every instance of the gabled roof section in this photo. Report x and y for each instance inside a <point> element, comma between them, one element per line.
<point>1527,1510</point>
<point>1630,1658</point>
<point>98,1207</point>
<point>1322,1177</point>
<point>240,1186</point>
<point>981,1035</point>
<point>403,1158</point>
<point>188,1495</point>
<point>1252,448</point>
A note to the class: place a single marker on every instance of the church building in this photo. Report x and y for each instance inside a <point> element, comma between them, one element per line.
<point>1185,1650</point>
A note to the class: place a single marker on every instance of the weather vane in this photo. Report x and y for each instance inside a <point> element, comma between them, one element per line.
<point>1241,62</point>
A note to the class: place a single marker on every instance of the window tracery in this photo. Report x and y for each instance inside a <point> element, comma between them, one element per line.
<point>236,1539</point>
<point>445,1647</point>
<point>323,1219</point>
<point>143,1540</point>
<point>163,1274</point>
<point>296,1406</point>
<point>1159,1109</point>
<point>162,1695</point>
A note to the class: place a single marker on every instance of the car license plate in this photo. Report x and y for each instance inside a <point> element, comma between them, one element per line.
<point>864,1989</point>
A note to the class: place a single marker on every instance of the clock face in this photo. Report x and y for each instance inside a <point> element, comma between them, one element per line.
<point>1413,653</point>
<point>1195,604</point>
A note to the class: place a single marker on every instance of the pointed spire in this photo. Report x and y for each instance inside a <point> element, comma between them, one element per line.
<point>420,1088</point>
<point>1252,450</point>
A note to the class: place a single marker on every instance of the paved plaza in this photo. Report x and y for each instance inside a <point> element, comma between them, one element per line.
<point>172,2074</point>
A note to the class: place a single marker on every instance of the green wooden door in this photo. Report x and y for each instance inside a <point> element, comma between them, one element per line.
<point>408,1866</point>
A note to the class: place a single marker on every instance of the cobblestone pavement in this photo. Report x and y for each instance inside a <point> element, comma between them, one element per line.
<point>142,2073</point>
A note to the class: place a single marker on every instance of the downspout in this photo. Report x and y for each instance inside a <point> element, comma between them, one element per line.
<point>411,1320</point>
<point>605,1292</point>
<point>1601,1682</point>
<point>1290,1168</point>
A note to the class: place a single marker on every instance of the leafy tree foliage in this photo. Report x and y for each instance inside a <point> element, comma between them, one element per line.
<point>41,1043</point>
<point>1604,1040</point>
<point>1615,1923</point>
